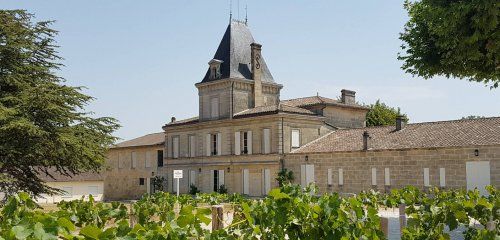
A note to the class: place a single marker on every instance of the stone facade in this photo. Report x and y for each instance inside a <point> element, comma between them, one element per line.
<point>122,179</point>
<point>406,167</point>
<point>280,127</point>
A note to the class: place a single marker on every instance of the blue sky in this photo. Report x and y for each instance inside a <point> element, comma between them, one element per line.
<point>141,59</point>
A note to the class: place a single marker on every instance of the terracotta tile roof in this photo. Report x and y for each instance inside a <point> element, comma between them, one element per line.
<point>317,100</point>
<point>86,176</point>
<point>456,133</point>
<point>272,109</point>
<point>146,140</point>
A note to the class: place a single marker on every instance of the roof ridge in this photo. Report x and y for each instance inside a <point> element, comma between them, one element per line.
<point>455,120</point>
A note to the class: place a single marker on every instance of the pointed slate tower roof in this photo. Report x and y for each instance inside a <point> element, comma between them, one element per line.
<point>234,52</point>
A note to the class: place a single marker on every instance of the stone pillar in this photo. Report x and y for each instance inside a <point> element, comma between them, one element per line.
<point>256,59</point>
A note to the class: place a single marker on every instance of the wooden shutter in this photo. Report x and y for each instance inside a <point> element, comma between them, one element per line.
<point>387,177</point>
<point>207,145</point>
<point>442,177</point>
<point>303,175</point>
<point>219,144</point>
<point>309,174</point>
<point>221,178</point>
<point>192,146</point>
<point>175,147</point>
<point>266,181</point>
<point>237,143</point>
<point>426,177</point>
<point>249,137</point>
<point>374,176</point>
<point>246,187</point>
<point>266,140</point>
<point>341,177</point>
<point>192,177</point>
<point>330,177</point>
<point>295,138</point>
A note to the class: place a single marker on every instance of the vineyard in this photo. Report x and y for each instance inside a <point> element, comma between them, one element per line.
<point>290,212</point>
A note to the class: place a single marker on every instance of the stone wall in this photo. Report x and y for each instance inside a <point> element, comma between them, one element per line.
<point>345,117</point>
<point>123,183</point>
<point>406,167</point>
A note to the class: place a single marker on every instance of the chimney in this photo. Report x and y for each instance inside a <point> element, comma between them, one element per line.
<point>366,137</point>
<point>172,119</point>
<point>348,97</point>
<point>256,73</point>
<point>400,122</point>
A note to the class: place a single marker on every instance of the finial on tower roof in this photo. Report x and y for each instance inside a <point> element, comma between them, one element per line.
<point>246,14</point>
<point>230,11</point>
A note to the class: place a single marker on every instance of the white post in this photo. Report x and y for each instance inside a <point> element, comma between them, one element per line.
<point>177,187</point>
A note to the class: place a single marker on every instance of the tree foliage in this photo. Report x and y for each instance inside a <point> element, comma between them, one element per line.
<point>382,115</point>
<point>458,39</point>
<point>43,126</point>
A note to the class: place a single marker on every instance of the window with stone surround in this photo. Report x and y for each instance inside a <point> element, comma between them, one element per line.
<point>175,147</point>
<point>295,138</point>
<point>214,108</point>
<point>192,146</point>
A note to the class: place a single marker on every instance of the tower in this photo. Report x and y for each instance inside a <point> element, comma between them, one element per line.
<point>237,78</point>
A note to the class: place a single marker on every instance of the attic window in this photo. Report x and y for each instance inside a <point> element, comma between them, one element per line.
<point>215,72</point>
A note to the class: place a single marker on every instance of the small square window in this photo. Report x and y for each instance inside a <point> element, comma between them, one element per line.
<point>141,181</point>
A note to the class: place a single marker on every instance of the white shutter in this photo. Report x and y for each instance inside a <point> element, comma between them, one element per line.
<point>341,177</point>
<point>192,146</point>
<point>266,141</point>
<point>221,178</point>
<point>175,147</point>
<point>374,176</point>
<point>387,177</point>
<point>426,177</point>
<point>148,185</point>
<point>246,188</point>
<point>266,181</point>
<point>249,137</point>
<point>237,144</point>
<point>295,138</point>
<point>330,177</point>
<point>309,174</point>
<point>192,177</point>
<point>442,177</point>
<point>134,159</point>
<point>303,175</point>
<point>148,159</point>
<point>219,144</point>
<point>207,145</point>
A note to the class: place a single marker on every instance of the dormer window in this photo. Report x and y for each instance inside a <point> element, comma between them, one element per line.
<point>215,72</point>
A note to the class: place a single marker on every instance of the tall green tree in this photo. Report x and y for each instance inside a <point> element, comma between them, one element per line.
<point>381,115</point>
<point>458,39</point>
<point>43,125</point>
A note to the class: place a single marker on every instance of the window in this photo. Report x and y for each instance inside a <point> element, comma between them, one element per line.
<point>266,181</point>
<point>149,157</point>
<point>246,184</point>
<point>216,180</point>
<point>175,147</point>
<point>247,142</point>
<point>192,177</point>
<point>214,108</point>
<point>266,141</point>
<point>160,158</point>
<point>192,146</point>
<point>134,159</point>
<point>68,192</point>
<point>214,144</point>
<point>295,138</point>
<point>237,143</point>
<point>141,181</point>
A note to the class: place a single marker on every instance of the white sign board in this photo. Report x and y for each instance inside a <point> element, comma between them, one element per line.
<point>177,173</point>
